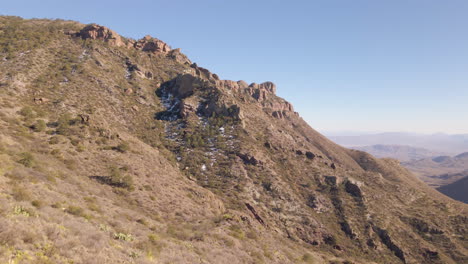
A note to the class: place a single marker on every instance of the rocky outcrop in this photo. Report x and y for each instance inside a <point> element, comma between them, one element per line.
<point>184,85</point>
<point>249,159</point>
<point>152,45</point>
<point>261,91</point>
<point>178,56</point>
<point>387,241</point>
<point>254,213</point>
<point>147,44</point>
<point>94,31</point>
<point>354,188</point>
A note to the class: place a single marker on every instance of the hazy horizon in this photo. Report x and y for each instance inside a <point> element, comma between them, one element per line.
<point>344,65</point>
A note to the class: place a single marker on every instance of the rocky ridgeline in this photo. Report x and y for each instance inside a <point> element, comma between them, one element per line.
<point>146,44</point>
<point>184,85</point>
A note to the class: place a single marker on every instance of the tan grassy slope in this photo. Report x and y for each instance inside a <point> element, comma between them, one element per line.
<point>121,151</point>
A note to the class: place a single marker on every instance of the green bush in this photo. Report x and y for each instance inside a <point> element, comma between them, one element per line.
<point>54,140</point>
<point>37,203</point>
<point>27,112</point>
<point>20,193</point>
<point>27,159</point>
<point>308,258</point>
<point>75,210</point>
<point>64,123</point>
<point>122,147</point>
<point>119,179</point>
<point>39,126</point>
<point>123,236</point>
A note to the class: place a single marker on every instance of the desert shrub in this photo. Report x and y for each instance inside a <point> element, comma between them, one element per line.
<point>80,148</point>
<point>122,147</point>
<point>27,112</point>
<point>39,126</point>
<point>308,258</point>
<point>70,164</point>
<point>63,124</point>
<point>123,237</point>
<point>75,141</point>
<point>54,140</point>
<point>75,210</point>
<point>37,203</point>
<point>27,159</point>
<point>119,179</point>
<point>20,194</point>
<point>237,232</point>
<point>20,210</point>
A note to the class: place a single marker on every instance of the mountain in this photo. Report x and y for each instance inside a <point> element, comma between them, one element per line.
<point>450,144</point>
<point>440,170</point>
<point>401,153</point>
<point>114,150</point>
<point>458,190</point>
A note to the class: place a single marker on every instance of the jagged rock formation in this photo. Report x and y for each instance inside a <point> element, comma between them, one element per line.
<point>94,31</point>
<point>125,166</point>
<point>153,45</point>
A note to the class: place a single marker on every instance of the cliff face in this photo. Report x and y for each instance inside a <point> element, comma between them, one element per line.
<point>126,151</point>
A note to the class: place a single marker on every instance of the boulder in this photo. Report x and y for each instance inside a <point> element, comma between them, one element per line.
<point>310,155</point>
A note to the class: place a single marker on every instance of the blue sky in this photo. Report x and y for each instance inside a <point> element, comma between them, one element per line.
<point>362,65</point>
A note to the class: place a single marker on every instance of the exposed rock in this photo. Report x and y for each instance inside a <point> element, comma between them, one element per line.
<point>319,203</point>
<point>221,108</point>
<point>431,255</point>
<point>186,109</point>
<point>41,100</point>
<point>94,31</point>
<point>84,118</point>
<point>153,45</point>
<point>310,155</point>
<point>386,240</point>
<point>261,91</point>
<point>278,114</point>
<point>230,85</point>
<point>255,214</point>
<point>333,166</point>
<point>353,188</point>
<point>128,91</point>
<point>184,85</point>
<point>204,73</point>
<point>178,56</point>
<point>346,228</point>
<point>242,84</point>
<point>332,180</point>
<point>149,75</point>
<point>421,226</point>
<point>249,159</point>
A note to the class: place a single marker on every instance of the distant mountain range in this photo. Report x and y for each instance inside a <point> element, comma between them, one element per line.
<point>440,170</point>
<point>399,152</point>
<point>432,158</point>
<point>450,144</point>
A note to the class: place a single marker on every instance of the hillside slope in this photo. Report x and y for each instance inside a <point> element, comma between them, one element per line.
<point>115,150</point>
<point>457,190</point>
